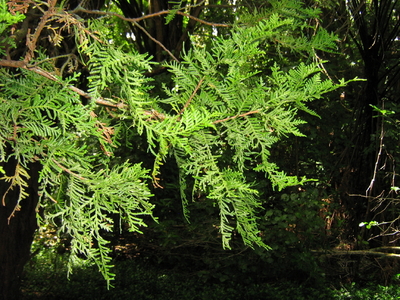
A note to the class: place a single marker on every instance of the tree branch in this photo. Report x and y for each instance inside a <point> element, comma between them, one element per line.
<point>68,170</point>
<point>237,116</point>
<point>359,252</point>
<point>48,75</point>
<point>135,20</point>
<point>156,41</point>
<point>31,39</point>
<point>191,96</point>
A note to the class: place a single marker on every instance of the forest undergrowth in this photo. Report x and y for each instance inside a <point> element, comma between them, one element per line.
<point>141,276</point>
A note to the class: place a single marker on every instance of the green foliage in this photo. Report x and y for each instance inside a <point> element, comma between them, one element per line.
<point>218,122</point>
<point>44,122</point>
<point>243,114</point>
<point>219,105</point>
<point>292,225</point>
<point>177,5</point>
<point>370,292</point>
<point>105,61</point>
<point>7,18</point>
<point>296,224</point>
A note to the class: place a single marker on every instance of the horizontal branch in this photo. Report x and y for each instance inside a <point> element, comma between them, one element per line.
<point>138,19</point>
<point>360,252</point>
<point>375,197</point>
<point>102,101</point>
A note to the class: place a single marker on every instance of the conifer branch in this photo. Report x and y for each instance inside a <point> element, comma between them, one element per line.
<point>48,75</point>
<point>237,116</point>
<point>68,170</point>
<point>136,21</point>
<point>191,96</point>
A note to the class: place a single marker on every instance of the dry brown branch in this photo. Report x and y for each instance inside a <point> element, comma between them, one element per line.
<point>12,63</point>
<point>31,39</point>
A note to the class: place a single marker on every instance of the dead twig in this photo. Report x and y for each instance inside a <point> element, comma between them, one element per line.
<point>31,39</point>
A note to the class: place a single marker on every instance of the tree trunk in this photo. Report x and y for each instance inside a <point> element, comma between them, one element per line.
<point>16,232</point>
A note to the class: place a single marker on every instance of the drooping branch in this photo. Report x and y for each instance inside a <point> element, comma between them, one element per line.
<point>48,75</point>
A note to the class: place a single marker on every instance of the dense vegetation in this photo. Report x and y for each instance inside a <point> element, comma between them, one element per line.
<point>47,280</point>
<point>199,149</point>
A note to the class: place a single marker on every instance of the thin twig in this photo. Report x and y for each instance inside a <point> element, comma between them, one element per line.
<point>31,39</point>
<point>156,41</point>
<point>192,96</point>
<point>135,20</point>
<point>356,252</point>
<point>54,58</point>
<point>378,157</point>
<point>237,116</point>
<point>68,170</point>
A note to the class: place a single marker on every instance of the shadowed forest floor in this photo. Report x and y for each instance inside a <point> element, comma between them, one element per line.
<point>138,280</point>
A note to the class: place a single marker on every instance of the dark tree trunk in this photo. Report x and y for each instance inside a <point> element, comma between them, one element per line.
<point>16,232</point>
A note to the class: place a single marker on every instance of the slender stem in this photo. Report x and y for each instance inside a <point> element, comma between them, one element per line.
<point>191,96</point>
<point>31,39</point>
<point>156,41</point>
<point>68,170</point>
<point>237,116</point>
